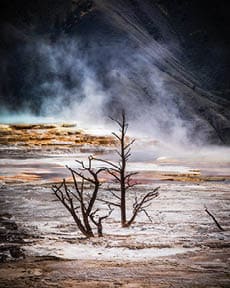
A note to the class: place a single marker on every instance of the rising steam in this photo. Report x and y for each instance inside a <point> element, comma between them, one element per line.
<point>87,80</point>
<point>74,89</point>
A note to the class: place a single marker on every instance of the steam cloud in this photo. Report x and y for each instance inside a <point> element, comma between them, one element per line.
<point>88,86</point>
<point>75,89</point>
<point>88,80</point>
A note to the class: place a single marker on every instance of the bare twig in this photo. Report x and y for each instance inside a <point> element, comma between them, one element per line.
<point>213,218</point>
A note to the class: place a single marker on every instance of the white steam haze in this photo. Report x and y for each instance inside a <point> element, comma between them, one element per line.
<point>89,102</point>
<point>88,83</point>
<point>130,79</point>
<point>85,100</point>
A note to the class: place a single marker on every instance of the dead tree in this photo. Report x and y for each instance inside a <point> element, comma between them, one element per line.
<point>124,179</point>
<point>79,203</point>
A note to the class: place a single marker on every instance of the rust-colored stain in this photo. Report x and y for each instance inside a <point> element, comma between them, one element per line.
<point>52,135</point>
<point>20,178</point>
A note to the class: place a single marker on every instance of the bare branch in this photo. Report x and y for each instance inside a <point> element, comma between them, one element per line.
<point>114,134</point>
<point>127,154</point>
<point>146,213</point>
<point>109,202</point>
<point>129,144</point>
<point>115,195</point>
<point>116,121</point>
<point>129,186</point>
<point>75,196</point>
<point>129,175</point>
<point>119,154</point>
<point>138,205</point>
<point>92,216</point>
<point>81,163</point>
<point>213,218</point>
<point>113,174</point>
<point>98,223</point>
<point>107,162</point>
<point>106,216</point>
<point>82,176</point>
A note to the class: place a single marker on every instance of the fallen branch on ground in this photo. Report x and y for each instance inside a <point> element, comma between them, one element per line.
<point>213,218</point>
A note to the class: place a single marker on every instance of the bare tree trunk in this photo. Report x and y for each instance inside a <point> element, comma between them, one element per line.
<point>122,173</point>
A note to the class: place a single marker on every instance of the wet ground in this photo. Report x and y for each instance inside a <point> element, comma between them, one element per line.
<point>41,247</point>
